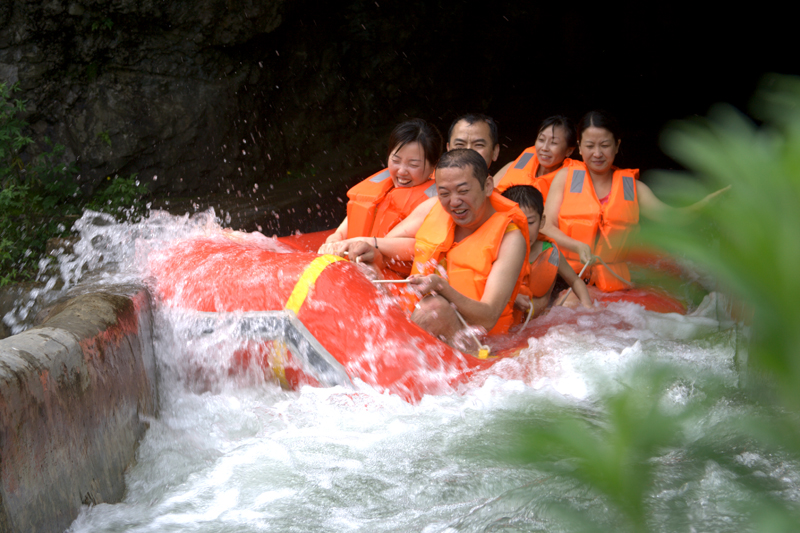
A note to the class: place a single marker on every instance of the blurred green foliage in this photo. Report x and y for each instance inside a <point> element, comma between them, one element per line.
<point>39,197</point>
<point>636,445</point>
<point>757,221</point>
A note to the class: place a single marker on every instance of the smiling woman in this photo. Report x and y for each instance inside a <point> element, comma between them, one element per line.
<point>539,164</point>
<point>380,202</point>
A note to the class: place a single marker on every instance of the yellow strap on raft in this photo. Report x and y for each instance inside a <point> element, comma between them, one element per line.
<point>276,358</point>
<point>307,279</point>
<point>294,303</point>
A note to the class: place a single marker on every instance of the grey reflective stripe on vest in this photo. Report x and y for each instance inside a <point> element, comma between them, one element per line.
<point>553,256</point>
<point>576,185</point>
<point>628,187</point>
<point>523,160</point>
<point>430,192</point>
<point>380,177</point>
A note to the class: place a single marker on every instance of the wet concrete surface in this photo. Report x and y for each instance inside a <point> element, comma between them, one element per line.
<point>75,396</point>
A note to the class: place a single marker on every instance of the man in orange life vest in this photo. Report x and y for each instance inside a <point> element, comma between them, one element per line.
<point>468,252</point>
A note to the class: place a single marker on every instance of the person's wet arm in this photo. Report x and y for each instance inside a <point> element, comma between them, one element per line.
<point>576,283</point>
<point>340,234</point>
<point>654,209</point>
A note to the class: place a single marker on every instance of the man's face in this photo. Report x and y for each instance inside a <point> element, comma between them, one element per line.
<point>476,136</point>
<point>461,195</point>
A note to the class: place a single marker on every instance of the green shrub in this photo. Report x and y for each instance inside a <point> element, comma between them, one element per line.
<point>120,197</point>
<point>12,139</point>
<point>40,199</point>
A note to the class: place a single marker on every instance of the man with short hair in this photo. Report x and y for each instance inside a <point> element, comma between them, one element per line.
<point>468,252</point>
<point>478,132</point>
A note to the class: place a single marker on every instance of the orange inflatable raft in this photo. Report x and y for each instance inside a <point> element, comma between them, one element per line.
<point>334,323</point>
<point>316,319</point>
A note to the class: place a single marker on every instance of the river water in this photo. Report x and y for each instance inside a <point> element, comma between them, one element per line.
<point>236,453</point>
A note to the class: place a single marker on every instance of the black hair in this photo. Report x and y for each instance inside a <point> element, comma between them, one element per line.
<point>420,131</point>
<point>526,196</point>
<point>472,118</point>
<point>560,121</point>
<point>599,119</point>
<point>463,158</point>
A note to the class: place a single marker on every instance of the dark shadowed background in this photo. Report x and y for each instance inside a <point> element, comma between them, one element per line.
<point>262,101</point>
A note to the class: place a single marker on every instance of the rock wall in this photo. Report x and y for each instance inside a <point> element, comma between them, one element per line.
<point>137,85</point>
<point>75,395</point>
<point>223,95</point>
<point>218,96</point>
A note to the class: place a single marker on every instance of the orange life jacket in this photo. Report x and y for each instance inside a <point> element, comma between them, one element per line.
<point>523,172</point>
<point>542,273</point>
<point>376,205</point>
<point>469,262</point>
<point>605,228</point>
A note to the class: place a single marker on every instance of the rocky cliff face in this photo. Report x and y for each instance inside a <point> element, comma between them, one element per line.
<point>215,95</point>
<point>141,86</point>
<point>219,96</point>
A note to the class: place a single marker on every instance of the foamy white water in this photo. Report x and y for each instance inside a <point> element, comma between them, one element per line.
<point>238,453</point>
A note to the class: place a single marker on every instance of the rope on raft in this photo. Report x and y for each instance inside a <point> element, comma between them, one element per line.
<point>483,350</point>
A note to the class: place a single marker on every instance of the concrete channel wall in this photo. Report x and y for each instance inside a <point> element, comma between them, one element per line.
<point>75,395</point>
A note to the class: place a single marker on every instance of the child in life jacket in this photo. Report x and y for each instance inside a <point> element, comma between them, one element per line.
<point>545,259</point>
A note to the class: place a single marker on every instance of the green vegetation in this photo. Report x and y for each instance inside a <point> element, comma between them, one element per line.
<point>308,171</point>
<point>635,444</point>
<point>757,221</point>
<point>120,197</point>
<point>40,199</point>
<point>104,136</point>
<point>102,24</point>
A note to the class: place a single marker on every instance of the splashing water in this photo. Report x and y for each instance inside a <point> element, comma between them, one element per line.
<point>107,252</point>
<point>232,451</point>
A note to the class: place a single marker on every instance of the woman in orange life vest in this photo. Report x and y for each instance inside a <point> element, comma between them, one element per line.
<point>593,205</point>
<point>381,201</point>
<point>538,164</point>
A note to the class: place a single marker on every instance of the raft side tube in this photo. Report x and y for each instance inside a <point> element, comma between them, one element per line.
<point>284,326</point>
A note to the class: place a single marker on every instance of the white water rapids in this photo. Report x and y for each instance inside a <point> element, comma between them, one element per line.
<point>239,454</point>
